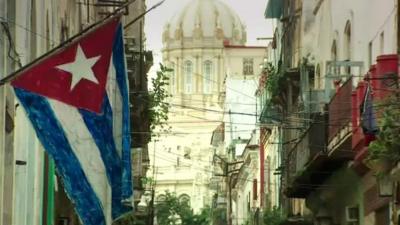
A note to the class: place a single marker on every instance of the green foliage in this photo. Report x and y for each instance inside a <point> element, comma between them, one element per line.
<point>158,104</point>
<point>273,216</point>
<point>387,145</point>
<point>149,181</point>
<point>204,218</point>
<point>272,81</point>
<point>219,216</point>
<point>128,219</point>
<point>173,205</point>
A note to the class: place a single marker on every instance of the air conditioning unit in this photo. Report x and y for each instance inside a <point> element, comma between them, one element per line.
<point>352,215</point>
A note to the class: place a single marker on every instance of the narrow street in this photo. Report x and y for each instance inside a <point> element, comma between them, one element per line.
<point>199,112</point>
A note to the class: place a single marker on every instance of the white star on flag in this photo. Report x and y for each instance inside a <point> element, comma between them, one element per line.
<point>80,68</point>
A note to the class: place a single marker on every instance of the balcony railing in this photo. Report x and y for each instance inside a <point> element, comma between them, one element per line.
<point>340,115</point>
<point>270,113</point>
<point>312,143</point>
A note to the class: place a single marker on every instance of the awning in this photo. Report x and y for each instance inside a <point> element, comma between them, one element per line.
<point>274,9</point>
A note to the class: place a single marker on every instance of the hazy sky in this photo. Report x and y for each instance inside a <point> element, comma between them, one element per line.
<point>251,13</point>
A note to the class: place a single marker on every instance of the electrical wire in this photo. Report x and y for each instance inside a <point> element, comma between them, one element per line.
<point>3,19</point>
<point>209,79</point>
<point>201,101</point>
<point>304,185</point>
<point>11,47</point>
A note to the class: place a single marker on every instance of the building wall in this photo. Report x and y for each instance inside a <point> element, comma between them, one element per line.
<point>234,56</point>
<point>237,125</point>
<point>345,183</point>
<point>373,33</point>
<point>196,108</point>
<point>36,27</point>
<point>183,165</point>
<point>272,163</point>
<point>176,58</point>
<point>6,121</point>
<point>368,19</point>
<point>245,199</point>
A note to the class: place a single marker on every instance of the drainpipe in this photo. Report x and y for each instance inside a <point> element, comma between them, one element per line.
<point>262,134</point>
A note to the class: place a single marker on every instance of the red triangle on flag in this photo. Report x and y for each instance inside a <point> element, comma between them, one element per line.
<point>75,74</point>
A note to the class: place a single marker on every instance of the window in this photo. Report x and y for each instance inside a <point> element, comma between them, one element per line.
<point>334,51</point>
<point>161,198</point>
<point>318,77</point>
<point>184,199</point>
<point>382,43</point>
<point>248,66</point>
<point>188,72</point>
<point>334,54</point>
<point>370,54</point>
<point>347,45</point>
<point>207,77</point>
<point>347,41</point>
<point>172,79</point>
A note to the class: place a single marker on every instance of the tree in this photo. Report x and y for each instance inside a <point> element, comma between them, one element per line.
<point>273,216</point>
<point>158,104</point>
<point>171,205</point>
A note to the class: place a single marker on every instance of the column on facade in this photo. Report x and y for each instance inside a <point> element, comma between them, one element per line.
<point>175,76</point>
<point>201,71</point>
<point>221,76</point>
<point>217,74</point>
<point>197,74</point>
<point>179,77</point>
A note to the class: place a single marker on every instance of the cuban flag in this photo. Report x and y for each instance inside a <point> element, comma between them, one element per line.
<point>77,101</point>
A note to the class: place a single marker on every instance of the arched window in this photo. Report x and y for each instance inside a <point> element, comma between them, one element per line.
<point>172,78</point>
<point>318,76</point>
<point>334,54</point>
<point>188,73</point>
<point>334,51</point>
<point>347,44</point>
<point>160,198</point>
<point>184,199</point>
<point>347,41</point>
<point>207,77</point>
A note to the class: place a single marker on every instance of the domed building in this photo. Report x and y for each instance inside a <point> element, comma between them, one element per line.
<point>193,42</point>
<point>204,44</point>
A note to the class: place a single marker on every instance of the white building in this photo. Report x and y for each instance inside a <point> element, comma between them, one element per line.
<point>246,183</point>
<point>341,30</point>
<point>204,44</point>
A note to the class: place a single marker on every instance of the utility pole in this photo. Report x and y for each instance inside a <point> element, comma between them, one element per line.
<point>230,124</point>
<point>153,186</point>
<point>228,180</point>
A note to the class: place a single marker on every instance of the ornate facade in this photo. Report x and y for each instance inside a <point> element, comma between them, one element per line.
<point>202,42</point>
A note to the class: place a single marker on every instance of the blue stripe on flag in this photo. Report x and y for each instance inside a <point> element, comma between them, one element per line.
<point>101,128</point>
<point>119,63</point>
<point>54,140</point>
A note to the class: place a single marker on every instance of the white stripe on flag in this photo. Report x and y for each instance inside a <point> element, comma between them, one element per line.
<point>115,98</point>
<point>86,151</point>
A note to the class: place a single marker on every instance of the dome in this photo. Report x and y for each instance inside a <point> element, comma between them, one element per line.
<point>205,21</point>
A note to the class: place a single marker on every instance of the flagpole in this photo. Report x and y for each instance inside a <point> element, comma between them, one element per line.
<point>116,12</point>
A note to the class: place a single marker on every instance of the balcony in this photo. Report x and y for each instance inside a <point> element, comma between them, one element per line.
<point>384,80</point>
<point>270,113</point>
<point>340,123</point>
<point>307,158</point>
